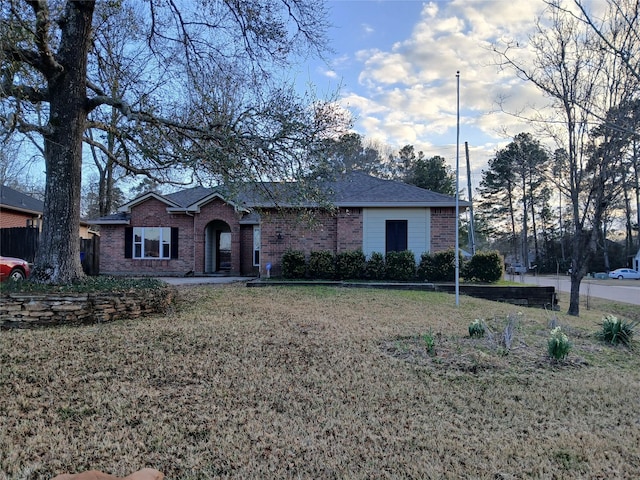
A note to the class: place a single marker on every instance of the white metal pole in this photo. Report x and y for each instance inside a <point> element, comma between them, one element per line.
<point>457,249</point>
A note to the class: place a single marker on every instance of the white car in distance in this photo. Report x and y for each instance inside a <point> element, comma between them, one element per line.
<point>625,273</point>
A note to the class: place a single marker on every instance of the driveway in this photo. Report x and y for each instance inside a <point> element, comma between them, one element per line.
<point>626,291</point>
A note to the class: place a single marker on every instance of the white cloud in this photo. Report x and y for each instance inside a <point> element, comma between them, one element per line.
<point>407,94</point>
<point>332,74</point>
<point>367,29</point>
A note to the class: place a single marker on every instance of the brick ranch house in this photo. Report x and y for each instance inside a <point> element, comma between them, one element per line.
<point>202,231</point>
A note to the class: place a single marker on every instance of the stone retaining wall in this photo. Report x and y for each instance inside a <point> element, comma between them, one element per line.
<point>27,310</point>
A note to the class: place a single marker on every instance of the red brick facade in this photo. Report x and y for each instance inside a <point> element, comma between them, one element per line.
<point>443,229</point>
<point>10,219</point>
<point>191,241</point>
<point>337,231</point>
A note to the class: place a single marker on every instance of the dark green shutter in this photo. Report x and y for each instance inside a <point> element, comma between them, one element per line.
<point>128,242</point>
<point>174,242</point>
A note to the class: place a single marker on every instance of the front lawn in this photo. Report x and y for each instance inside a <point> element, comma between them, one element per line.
<point>319,382</point>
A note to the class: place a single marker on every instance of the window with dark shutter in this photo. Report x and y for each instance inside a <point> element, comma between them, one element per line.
<point>128,242</point>
<point>174,242</point>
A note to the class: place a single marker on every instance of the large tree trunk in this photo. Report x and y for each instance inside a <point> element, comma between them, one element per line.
<point>636,172</point>
<point>58,256</point>
<point>578,271</point>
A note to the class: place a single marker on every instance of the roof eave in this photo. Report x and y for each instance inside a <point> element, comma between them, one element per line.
<point>195,207</point>
<point>126,208</point>
<point>399,204</point>
<point>21,210</point>
<point>107,222</point>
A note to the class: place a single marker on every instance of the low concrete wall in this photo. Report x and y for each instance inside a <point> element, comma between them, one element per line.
<point>28,310</point>
<point>525,295</point>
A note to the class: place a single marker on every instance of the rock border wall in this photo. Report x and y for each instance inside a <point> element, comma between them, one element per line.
<point>30,310</point>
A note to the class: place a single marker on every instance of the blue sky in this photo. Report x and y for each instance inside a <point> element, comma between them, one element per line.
<point>395,62</point>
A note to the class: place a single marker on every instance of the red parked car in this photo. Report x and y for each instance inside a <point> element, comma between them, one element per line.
<point>13,268</point>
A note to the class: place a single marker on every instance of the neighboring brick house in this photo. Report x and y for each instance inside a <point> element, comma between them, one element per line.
<point>202,231</point>
<point>18,209</point>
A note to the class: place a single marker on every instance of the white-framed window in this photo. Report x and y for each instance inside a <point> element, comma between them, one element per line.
<point>256,246</point>
<point>152,242</point>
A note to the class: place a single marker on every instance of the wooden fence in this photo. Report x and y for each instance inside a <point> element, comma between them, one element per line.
<point>90,255</point>
<point>22,242</point>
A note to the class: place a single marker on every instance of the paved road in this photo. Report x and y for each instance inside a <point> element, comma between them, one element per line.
<point>627,291</point>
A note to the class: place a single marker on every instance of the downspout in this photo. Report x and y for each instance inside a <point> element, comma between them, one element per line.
<point>194,241</point>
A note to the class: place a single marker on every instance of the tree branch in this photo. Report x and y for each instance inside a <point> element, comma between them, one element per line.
<point>47,63</point>
<point>14,122</point>
<point>22,92</point>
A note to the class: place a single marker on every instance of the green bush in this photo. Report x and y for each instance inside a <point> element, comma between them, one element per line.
<point>558,344</point>
<point>438,267</point>
<point>322,264</point>
<point>427,267</point>
<point>375,268</point>
<point>293,264</point>
<point>615,331</point>
<point>401,266</point>
<point>486,267</point>
<point>350,264</point>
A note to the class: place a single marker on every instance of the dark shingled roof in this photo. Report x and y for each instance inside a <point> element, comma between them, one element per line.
<point>359,189</point>
<point>14,199</point>
<point>188,197</point>
<point>354,189</point>
<point>114,218</point>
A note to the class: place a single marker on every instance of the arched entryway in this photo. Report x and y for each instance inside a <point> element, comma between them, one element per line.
<point>217,257</point>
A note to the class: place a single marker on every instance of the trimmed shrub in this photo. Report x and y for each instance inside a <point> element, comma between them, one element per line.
<point>486,267</point>
<point>322,264</point>
<point>438,267</point>
<point>375,268</point>
<point>293,264</point>
<point>401,266</point>
<point>350,264</point>
<point>427,267</point>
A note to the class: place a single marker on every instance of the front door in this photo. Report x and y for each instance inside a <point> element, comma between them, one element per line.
<point>396,236</point>
<point>217,247</point>
<point>223,253</point>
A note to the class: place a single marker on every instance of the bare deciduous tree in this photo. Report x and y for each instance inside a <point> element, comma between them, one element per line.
<point>583,82</point>
<point>211,99</point>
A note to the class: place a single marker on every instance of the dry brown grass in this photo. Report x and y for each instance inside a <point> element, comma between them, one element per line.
<point>318,383</point>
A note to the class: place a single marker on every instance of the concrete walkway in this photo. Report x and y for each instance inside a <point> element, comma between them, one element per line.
<point>203,280</point>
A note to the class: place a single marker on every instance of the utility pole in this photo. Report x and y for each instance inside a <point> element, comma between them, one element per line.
<point>472,235</point>
<point>457,249</point>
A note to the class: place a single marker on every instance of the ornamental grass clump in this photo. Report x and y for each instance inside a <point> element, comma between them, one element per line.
<point>476,329</point>
<point>558,344</point>
<point>615,330</point>
<point>429,343</point>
